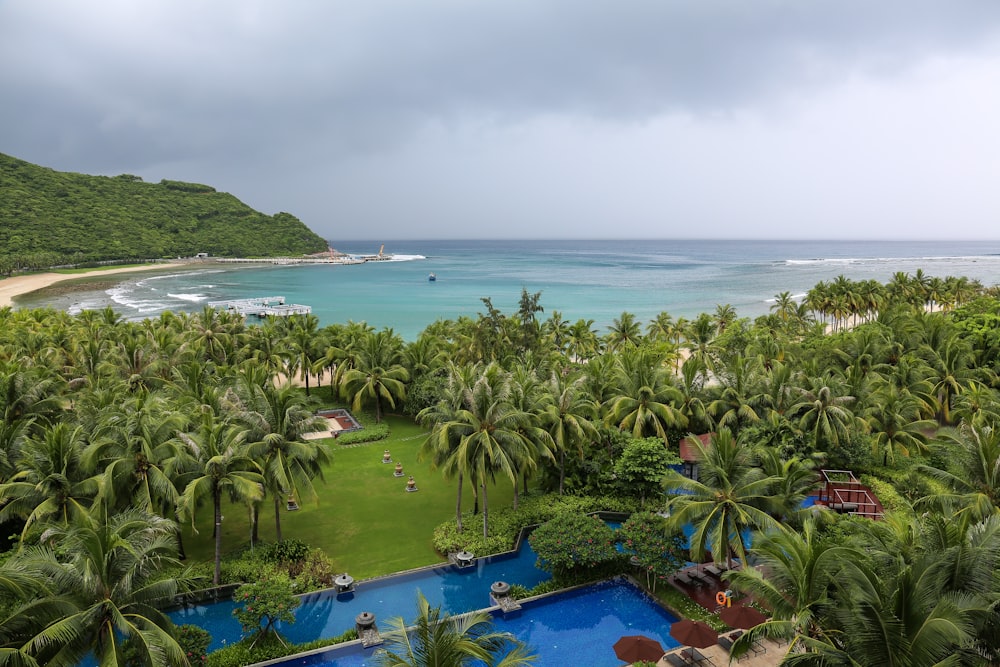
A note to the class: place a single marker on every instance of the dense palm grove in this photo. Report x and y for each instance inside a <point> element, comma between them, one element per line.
<point>113,431</point>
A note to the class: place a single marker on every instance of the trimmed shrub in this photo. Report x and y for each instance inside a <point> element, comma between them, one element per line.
<point>241,653</point>
<point>372,432</point>
<point>573,545</point>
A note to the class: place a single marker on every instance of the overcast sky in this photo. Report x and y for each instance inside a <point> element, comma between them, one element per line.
<point>371,119</point>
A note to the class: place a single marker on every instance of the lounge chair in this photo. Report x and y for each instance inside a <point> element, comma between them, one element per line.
<point>676,660</point>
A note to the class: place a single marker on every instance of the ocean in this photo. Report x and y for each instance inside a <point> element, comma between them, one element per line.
<point>595,280</point>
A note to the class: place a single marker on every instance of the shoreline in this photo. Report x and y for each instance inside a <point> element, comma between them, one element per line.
<point>10,288</point>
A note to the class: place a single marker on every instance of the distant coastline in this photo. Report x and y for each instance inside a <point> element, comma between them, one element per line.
<point>20,285</point>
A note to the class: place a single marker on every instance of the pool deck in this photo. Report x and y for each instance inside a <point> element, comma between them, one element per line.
<point>771,655</point>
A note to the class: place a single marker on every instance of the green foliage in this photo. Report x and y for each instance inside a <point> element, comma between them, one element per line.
<point>372,432</point>
<point>283,551</point>
<point>688,608</point>
<point>50,218</point>
<point>246,652</point>
<point>641,467</point>
<point>853,453</point>
<point>886,493</point>
<point>506,523</point>
<point>308,568</point>
<point>658,552</point>
<point>194,641</point>
<point>570,543</point>
<point>267,601</point>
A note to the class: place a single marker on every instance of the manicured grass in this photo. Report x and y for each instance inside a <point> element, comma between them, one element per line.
<point>364,520</point>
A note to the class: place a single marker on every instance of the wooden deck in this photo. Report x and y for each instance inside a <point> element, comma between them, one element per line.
<point>842,492</point>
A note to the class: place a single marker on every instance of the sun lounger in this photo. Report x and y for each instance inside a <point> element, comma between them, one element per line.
<point>676,660</point>
<point>696,657</point>
<point>698,577</point>
<point>683,578</point>
<point>712,569</point>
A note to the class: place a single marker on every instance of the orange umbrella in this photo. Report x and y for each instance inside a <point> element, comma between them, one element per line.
<point>633,648</point>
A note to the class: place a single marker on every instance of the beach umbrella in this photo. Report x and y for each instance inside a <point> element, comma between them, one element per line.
<point>694,633</point>
<point>742,617</point>
<point>633,648</point>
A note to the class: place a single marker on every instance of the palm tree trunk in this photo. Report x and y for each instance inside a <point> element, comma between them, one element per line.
<point>458,505</point>
<point>562,470</point>
<point>516,494</point>
<point>486,513</point>
<point>217,501</point>
<point>254,524</point>
<point>277,517</point>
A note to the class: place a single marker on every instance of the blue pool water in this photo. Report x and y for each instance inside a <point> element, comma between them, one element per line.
<point>576,628</point>
<point>326,614</point>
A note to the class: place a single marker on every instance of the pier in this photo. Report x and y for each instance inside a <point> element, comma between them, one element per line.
<point>264,306</point>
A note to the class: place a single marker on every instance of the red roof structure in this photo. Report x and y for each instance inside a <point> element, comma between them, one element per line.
<point>688,452</point>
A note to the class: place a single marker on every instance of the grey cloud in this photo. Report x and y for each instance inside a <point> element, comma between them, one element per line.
<point>276,99</point>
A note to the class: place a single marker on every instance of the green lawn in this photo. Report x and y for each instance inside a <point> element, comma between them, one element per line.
<point>365,520</point>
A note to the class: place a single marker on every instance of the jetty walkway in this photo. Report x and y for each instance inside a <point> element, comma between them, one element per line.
<point>264,306</point>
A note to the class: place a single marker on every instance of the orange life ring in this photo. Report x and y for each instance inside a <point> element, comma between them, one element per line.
<point>721,598</point>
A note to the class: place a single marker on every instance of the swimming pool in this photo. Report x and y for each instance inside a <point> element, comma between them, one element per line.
<point>576,627</point>
<point>327,614</point>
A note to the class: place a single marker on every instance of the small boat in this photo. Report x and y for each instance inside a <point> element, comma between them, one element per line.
<point>432,277</point>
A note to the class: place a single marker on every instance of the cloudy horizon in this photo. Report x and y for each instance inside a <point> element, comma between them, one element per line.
<point>546,119</point>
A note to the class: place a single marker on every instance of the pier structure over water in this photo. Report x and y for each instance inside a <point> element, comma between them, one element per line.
<point>263,306</point>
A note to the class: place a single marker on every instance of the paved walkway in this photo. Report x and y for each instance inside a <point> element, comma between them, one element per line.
<point>771,656</point>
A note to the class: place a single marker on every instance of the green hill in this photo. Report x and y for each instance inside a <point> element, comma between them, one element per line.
<point>50,218</point>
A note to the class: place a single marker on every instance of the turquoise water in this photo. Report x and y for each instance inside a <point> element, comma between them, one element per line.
<point>577,628</point>
<point>581,279</point>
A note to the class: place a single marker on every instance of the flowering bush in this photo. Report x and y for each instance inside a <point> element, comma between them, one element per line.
<point>267,601</point>
<point>194,641</point>
<point>573,542</point>
<point>658,552</point>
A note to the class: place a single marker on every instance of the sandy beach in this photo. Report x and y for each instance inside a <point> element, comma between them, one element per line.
<point>11,287</point>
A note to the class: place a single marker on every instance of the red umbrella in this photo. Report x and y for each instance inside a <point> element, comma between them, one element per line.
<point>634,648</point>
<point>742,617</point>
<point>694,633</point>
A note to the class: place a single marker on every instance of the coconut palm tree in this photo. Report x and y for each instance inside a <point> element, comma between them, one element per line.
<point>442,441</point>
<point>376,374</point>
<point>489,433</point>
<point>730,496</point>
<point>644,401</point>
<point>893,419</point>
<point>795,573</point>
<point>224,467</point>
<point>302,345</point>
<point>51,483</point>
<point>970,458</point>
<point>582,341</point>
<point>824,414</point>
<point>439,640</point>
<point>112,570</point>
<point>277,418</point>
<point>625,331</point>
<point>568,418</point>
<point>132,446</point>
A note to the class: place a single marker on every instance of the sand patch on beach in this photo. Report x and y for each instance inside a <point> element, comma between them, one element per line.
<point>18,285</point>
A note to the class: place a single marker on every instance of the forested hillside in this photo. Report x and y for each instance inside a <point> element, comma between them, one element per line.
<point>49,218</point>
